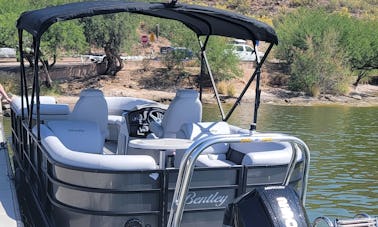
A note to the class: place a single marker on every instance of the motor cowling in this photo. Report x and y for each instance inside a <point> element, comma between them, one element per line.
<point>272,206</point>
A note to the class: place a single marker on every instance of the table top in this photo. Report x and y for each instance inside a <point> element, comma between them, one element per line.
<point>161,144</point>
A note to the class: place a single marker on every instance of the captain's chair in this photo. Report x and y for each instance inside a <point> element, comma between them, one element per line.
<point>92,106</point>
<point>184,108</point>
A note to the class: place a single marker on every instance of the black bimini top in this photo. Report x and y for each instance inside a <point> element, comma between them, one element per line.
<point>202,20</point>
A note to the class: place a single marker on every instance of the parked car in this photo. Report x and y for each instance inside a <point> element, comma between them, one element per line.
<point>245,52</point>
<point>182,53</point>
<point>95,58</point>
<point>7,52</point>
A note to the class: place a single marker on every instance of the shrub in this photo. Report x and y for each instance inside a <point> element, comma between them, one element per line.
<point>320,68</point>
<point>231,90</point>
<point>323,48</point>
<point>222,87</point>
<point>10,82</point>
<point>224,65</point>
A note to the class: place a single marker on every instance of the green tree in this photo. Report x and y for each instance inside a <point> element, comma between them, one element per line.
<point>361,43</point>
<point>64,36</point>
<point>9,12</point>
<point>304,32</point>
<point>224,64</point>
<point>112,32</point>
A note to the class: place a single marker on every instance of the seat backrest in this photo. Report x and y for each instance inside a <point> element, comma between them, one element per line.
<point>184,108</point>
<point>92,106</point>
<point>195,131</point>
<point>80,136</point>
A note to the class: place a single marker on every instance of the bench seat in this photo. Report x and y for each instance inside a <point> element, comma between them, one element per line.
<point>224,154</point>
<point>91,158</point>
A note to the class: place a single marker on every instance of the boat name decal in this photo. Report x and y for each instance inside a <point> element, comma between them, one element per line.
<point>214,198</point>
<point>287,212</point>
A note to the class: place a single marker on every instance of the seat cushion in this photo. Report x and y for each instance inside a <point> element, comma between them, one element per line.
<point>52,112</point>
<point>261,153</point>
<point>213,160</point>
<point>16,103</point>
<point>82,136</point>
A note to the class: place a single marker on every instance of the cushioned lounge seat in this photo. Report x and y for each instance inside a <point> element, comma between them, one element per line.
<point>49,110</point>
<point>261,153</point>
<point>77,157</point>
<point>81,136</point>
<point>214,155</point>
<point>224,154</point>
<point>52,112</point>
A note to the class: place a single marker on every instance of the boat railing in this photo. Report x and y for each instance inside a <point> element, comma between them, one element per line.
<point>362,220</point>
<point>188,163</point>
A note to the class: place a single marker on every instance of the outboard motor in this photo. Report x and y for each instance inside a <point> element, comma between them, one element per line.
<point>271,206</point>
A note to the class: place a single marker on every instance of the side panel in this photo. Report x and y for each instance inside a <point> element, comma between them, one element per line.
<point>210,191</point>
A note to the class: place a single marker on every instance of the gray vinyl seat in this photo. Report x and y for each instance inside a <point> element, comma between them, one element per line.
<point>184,108</point>
<point>49,109</point>
<point>79,144</point>
<point>215,155</point>
<point>92,106</point>
<point>224,154</point>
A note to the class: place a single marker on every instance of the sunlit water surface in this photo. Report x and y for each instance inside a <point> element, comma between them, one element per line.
<point>344,152</point>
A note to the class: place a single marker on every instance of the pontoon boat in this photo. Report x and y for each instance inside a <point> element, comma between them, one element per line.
<point>125,161</point>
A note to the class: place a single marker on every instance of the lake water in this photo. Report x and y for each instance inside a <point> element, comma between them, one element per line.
<point>344,152</point>
<point>344,145</point>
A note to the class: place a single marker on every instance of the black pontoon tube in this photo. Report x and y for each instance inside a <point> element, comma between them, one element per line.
<point>204,60</point>
<point>257,98</point>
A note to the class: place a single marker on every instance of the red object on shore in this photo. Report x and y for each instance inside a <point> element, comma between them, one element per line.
<point>144,39</point>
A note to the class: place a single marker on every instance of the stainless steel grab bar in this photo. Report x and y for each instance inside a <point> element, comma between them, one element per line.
<point>193,152</point>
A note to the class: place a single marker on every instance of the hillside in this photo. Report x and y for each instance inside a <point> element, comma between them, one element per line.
<point>140,78</point>
<point>270,8</point>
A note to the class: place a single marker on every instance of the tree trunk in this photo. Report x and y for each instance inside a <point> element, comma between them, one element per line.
<point>113,61</point>
<point>45,67</point>
<point>361,75</point>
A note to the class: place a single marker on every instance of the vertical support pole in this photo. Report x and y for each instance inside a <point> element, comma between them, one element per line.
<point>203,71</point>
<point>204,59</point>
<point>35,90</point>
<point>23,79</point>
<point>257,99</point>
<point>258,78</point>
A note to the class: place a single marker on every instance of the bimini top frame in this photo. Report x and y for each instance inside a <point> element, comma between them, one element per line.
<point>204,21</point>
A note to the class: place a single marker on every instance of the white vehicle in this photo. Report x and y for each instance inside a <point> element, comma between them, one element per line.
<point>245,52</point>
<point>7,52</point>
<point>95,58</point>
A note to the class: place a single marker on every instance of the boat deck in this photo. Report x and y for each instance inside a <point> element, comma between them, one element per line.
<point>9,207</point>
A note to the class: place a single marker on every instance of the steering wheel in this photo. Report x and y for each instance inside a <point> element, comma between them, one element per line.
<point>155,115</point>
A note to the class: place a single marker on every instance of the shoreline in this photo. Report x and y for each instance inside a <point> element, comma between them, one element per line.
<point>267,97</point>
<point>131,81</point>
